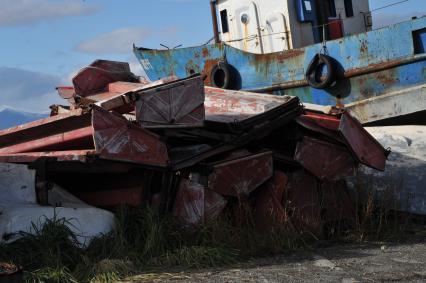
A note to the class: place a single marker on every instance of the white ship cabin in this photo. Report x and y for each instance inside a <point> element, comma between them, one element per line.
<point>266,26</point>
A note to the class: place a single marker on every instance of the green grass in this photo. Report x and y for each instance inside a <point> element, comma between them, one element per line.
<point>143,241</point>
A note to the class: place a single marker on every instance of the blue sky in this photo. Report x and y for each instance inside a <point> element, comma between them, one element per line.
<point>44,42</point>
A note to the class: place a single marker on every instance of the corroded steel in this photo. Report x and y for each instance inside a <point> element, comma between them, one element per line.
<point>365,147</point>
<point>99,74</point>
<point>269,208</point>
<point>375,63</point>
<point>325,160</point>
<point>243,108</point>
<point>195,204</point>
<point>72,136</point>
<point>176,104</point>
<point>302,201</point>
<point>117,139</point>
<point>240,176</point>
<point>347,131</point>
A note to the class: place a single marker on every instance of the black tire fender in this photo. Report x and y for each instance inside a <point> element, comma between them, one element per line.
<point>313,74</point>
<point>222,76</point>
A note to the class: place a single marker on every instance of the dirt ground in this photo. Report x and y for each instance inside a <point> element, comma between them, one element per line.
<point>402,261</point>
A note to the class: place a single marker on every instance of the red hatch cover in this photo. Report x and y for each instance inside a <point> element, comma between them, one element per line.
<point>176,104</point>
<point>366,148</point>
<point>117,139</point>
<point>241,176</point>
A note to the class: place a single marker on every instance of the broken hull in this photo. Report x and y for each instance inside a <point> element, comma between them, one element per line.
<point>375,63</point>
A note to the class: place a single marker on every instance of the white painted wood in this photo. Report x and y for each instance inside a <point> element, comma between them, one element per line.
<point>273,25</point>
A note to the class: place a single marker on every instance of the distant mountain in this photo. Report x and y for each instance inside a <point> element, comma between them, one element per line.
<point>10,117</point>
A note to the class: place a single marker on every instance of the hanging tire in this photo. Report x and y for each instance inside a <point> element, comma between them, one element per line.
<point>222,76</point>
<point>314,74</point>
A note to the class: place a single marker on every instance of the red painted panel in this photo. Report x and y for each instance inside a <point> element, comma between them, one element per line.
<point>328,122</point>
<point>303,202</point>
<point>269,209</point>
<point>74,138</point>
<point>41,122</point>
<point>335,28</point>
<point>194,204</point>
<point>227,106</point>
<point>366,148</point>
<point>176,104</point>
<point>241,176</point>
<point>118,139</point>
<point>325,160</point>
<point>97,76</point>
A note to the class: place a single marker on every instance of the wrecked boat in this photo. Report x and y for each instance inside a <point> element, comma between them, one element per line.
<point>185,148</point>
<point>323,52</point>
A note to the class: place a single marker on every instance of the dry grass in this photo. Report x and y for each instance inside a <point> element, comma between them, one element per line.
<point>143,240</point>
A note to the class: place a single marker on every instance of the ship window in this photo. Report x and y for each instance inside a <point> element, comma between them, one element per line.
<point>332,8</point>
<point>224,21</point>
<point>419,37</point>
<point>349,8</point>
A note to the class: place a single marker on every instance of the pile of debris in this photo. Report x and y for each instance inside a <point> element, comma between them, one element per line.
<point>191,149</point>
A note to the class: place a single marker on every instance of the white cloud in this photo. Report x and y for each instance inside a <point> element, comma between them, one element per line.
<point>27,90</point>
<point>116,41</point>
<point>120,41</point>
<point>21,12</point>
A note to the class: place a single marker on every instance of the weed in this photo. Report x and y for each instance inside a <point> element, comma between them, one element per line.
<point>50,275</point>
<point>144,239</point>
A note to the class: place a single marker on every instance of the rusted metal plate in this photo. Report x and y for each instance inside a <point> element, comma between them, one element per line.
<point>70,137</point>
<point>96,77</point>
<point>269,206</point>
<point>244,108</point>
<point>194,204</point>
<point>303,202</point>
<point>327,125</point>
<point>347,130</point>
<point>117,139</point>
<point>70,131</point>
<point>365,147</point>
<point>125,94</point>
<point>37,126</point>
<point>325,160</point>
<point>240,176</point>
<point>376,63</point>
<point>176,104</point>
<point>381,108</point>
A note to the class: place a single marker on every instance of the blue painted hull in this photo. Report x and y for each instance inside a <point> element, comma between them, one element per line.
<point>374,63</point>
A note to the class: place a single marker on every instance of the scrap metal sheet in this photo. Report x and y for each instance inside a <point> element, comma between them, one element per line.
<point>269,206</point>
<point>241,176</point>
<point>74,136</point>
<point>366,148</point>
<point>97,76</point>
<point>117,139</point>
<point>196,204</point>
<point>176,104</point>
<point>325,160</point>
<point>227,106</point>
